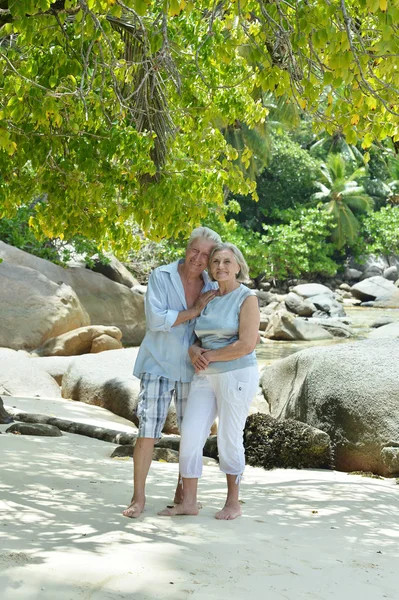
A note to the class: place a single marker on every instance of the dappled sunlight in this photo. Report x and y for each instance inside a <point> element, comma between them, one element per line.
<point>62,528</point>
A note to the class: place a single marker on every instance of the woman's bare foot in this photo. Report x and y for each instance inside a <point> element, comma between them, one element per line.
<point>135,509</point>
<point>179,509</point>
<point>229,512</point>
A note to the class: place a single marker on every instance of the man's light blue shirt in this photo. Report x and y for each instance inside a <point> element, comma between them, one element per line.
<point>164,350</point>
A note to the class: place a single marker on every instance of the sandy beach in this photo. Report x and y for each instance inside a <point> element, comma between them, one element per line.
<point>307,534</point>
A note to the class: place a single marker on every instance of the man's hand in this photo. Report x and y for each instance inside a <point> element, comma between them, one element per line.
<point>203,300</point>
<point>196,354</point>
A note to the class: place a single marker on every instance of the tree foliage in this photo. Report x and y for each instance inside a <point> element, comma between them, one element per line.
<point>380,232</point>
<point>113,111</point>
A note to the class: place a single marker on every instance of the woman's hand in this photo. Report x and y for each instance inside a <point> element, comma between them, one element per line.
<point>196,354</point>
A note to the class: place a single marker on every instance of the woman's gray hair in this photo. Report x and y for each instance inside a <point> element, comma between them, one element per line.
<point>204,233</point>
<point>243,274</point>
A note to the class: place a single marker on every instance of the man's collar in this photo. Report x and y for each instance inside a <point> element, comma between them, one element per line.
<point>172,268</point>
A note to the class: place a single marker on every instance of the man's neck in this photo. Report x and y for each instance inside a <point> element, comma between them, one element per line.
<point>187,275</point>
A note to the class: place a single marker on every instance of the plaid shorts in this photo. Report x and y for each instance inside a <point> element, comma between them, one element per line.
<point>155,396</point>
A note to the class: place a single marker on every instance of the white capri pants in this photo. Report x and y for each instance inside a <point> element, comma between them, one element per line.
<point>228,396</point>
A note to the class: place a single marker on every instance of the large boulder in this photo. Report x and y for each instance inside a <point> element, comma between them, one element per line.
<point>107,380</point>
<point>350,391</point>
<point>390,300</point>
<point>390,330</point>
<point>22,376</point>
<point>109,303</point>
<point>33,308</point>
<point>369,266</point>
<point>80,341</point>
<point>372,288</point>
<point>106,302</point>
<point>321,297</point>
<point>116,271</point>
<point>308,290</point>
<point>286,326</point>
<point>286,444</point>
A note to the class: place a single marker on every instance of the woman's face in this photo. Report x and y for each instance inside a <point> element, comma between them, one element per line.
<point>224,266</point>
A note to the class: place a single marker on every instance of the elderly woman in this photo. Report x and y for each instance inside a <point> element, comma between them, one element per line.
<point>225,382</point>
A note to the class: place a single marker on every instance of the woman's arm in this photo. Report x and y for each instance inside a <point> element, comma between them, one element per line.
<point>247,334</point>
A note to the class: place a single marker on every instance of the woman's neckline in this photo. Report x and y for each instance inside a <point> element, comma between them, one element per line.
<point>228,293</point>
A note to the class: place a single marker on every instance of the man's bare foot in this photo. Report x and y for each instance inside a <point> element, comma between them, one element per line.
<point>134,510</point>
<point>179,509</point>
<point>229,512</point>
<point>178,499</point>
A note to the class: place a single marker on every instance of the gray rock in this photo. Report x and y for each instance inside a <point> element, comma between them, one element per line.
<point>123,451</point>
<point>104,302</point>
<point>390,456</point>
<point>372,288</point>
<point>140,289</point>
<point>105,380</point>
<point>93,431</point>
<point>285,444</point>
<point>352,274</point>
<point>308,290</point>
<point>21,375</point>
<point>329,305</point>
<point>391,273</point>
<point>391,300</point>
<point>115,271</point>
<point>380,321</point>
<point>165,455</point>
<point>34,429</point>
<point>5,418</point>
<point>335,327</point>
<point>299,306</point>
<point>264,297</point>
<point>33,308</point>
<point>345,287</point>
<point>370,266</point>
<point>285,326</point>
<point>391,330</point>
<point>350,391</point>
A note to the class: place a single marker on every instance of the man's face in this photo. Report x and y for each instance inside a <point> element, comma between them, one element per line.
<point>197,255</point>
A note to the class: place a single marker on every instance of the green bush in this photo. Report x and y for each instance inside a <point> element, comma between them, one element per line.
<point>286,182</point>
<point>379,232</point>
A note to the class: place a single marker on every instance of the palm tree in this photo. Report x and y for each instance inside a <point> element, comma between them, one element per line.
<point>343,197</point>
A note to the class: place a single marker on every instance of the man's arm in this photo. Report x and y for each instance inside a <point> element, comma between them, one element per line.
<point>159,316</point>
<point>195,311</point>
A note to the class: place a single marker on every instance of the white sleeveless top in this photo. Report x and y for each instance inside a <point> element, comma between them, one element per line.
<point>217,326</point>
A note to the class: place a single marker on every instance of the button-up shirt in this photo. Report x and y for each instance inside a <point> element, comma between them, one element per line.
<point>164,350</point>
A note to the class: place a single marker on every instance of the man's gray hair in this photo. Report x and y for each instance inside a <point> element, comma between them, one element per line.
<point>243,274</point>
<point>204,233</point>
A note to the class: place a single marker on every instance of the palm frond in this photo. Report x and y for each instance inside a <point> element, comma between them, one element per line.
<point>319,196</point>
<point>359,203</point>
<point>347,226</point>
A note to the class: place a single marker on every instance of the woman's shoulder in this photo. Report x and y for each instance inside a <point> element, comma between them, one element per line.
<point>246,291</point>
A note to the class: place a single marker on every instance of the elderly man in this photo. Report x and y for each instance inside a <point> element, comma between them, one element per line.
<point>176,295</point>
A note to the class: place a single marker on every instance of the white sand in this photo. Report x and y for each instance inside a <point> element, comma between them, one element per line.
<point>304,534</point>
